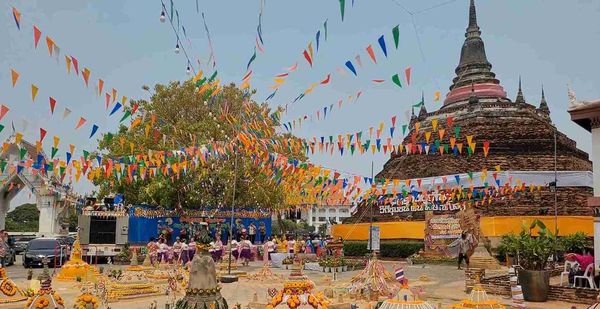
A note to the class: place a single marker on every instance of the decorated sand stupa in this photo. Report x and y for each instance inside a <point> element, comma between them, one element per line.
<point>76,267</point>
<point>87,299</point>
<point>9,292</point>
<point>133,283</point>
<point>202,290</point>
<point>297,291</point>
<point>46,297</point>
<point>478,299</point>
<point>405,299</point>
<point>373,281</point>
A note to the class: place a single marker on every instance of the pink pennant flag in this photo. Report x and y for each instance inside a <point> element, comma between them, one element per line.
<point>3,110</point>
<point>357,58</point>
<point>292,68</point>
<point>282,75</point>
<point>75,65</point>
<point>107,95</point>
<point>393,121</point>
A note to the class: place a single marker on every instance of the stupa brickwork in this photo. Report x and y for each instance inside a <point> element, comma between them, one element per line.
<point>521,136</point>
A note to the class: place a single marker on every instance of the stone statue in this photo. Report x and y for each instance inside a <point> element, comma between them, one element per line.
<point>573,103</point>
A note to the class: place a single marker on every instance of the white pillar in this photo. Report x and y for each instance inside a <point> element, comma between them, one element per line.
<point>49,225</point>
<point>4,207</point>
<point>596,170</point>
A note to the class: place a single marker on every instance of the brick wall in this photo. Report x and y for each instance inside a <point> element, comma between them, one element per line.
<point>500,285</point>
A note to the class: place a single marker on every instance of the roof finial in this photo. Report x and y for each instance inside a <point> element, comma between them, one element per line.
<point>473,29</point>
<point>520,98</point>
<point>543,104</point>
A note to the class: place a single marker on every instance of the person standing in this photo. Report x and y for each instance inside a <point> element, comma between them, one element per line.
<point>152,248</point>
<point>252,232</point>
<point>463,248</point>
<point>262,232</point>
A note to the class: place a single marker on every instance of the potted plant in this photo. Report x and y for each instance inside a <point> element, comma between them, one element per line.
<point>532,253</point>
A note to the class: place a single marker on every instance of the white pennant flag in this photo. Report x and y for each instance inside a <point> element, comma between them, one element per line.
<point>66,113</point>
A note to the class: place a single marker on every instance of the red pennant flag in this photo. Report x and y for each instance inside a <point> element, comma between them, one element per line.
<point>407,73</point>
<point>379,81</point>
<point>393,121</point>
<point>326,80</point>
<point>135,108</point>
<point>3,110</point>
<point>75,65</point>
<point>307,57</point>
<point>371,53</point>
<point>52,105</point>
<point>107,99</point>
<point>36,36</point>
<point>486,148</point>
<point>80,123</point>
<point>449,122</point>
<point>42,134</point>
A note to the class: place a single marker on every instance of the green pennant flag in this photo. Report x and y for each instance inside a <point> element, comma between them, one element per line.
<point>109,137</point>
<point>342,8</point>
<point>22,153</point>
<point>456,131</point>
<point>85,154</point>
<point>54,151</point>
<point>469,150</point>
<point>50,166</point>
<point>367,143</point>
<point>1,128</point>
<point>2,165</point>
<point>404,127</point>
<point>127,114</point>
<point>446,148</point>
<point>352,147</point>
<point>396,80</point>
<point>62,170</point>
<point>212,77</point>
<point>396,33</point>
<point>437,143</point>
<point>470,175</point>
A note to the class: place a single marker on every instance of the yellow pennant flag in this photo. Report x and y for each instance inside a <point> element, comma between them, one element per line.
<point>436,96</point>
<point>34,92</point>
<point>147,130</point>
<point>279,81</point>
<point>72,148</point>
<point>56,141</point>
<point>18,137</point>
<point>124,100</point>
<point>434,124</point>
<point>131,145</point>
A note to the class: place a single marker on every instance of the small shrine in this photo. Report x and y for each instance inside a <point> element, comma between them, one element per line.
<point>9,292</point>
<point>405,299</point>
<point>297,291</point>
<point>46,297</point>
<point>76,267</point>
<point>478,299</point>
<point>202,290</point>
<point>132,283</point>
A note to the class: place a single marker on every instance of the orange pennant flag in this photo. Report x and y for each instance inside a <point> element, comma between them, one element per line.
<point>3,110</point>
<point>436,96</point>
<point>100,86</point>
<point>68,61</point>
<point>114,95</point>
<point>86,75</point>
<point>50,44</point>
<point>15,76</point>
<point>80,123</point>
<point>36,36</point>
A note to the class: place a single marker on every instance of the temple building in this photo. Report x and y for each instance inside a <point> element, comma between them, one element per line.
<point>523,143</point>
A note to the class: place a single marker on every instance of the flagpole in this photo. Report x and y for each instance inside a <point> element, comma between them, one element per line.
<point>371,218</point>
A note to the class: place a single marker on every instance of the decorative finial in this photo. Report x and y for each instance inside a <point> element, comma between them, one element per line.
<point>543,104</point>
<point>473,29</point>
<point>520,98</point>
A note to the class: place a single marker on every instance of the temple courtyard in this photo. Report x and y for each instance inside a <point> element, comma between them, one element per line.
<point>441,284</point>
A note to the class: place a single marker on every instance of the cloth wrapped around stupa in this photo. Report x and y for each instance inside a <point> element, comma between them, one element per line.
<point>46,297</point>
<point>202,290</point>
<point>9,291</point>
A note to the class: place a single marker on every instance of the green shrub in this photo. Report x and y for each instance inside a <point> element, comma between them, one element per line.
<point>390,249</point>
<point>574,243</point>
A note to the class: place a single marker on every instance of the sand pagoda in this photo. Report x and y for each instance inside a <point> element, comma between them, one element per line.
<point>76,267</point>
<point>46,297</point>
<point>478,299</point>
<point>132,283</point>
<point>405,299</point>
<point>9,292</point>
<point>202,290</point>
<point>373,281</point>
<point>297,291</point>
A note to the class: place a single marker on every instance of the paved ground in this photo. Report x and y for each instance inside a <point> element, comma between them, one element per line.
<point>442,285</point>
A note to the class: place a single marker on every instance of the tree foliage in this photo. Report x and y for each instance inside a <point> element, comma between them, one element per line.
<point>24,218</point>
<point>177,117</point>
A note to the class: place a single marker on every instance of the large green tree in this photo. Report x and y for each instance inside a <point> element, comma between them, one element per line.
<point>24,218</point>
<point>177,116</point>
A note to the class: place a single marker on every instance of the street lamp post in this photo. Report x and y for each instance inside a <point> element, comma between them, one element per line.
<point>555,185</point>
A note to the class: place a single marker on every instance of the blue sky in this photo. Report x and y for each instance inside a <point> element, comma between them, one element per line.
<point>123,42</point>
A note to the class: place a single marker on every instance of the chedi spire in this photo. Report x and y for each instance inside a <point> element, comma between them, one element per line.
<point>474,67</point>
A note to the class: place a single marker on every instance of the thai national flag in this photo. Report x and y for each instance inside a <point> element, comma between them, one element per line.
<point>399,274</point>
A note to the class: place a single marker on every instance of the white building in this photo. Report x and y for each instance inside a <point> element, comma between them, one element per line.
<point>317,215</point>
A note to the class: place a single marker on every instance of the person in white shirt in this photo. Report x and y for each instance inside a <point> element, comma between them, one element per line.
<point>270,247</point>
<point>252,232</point>
<point>184,257</point>
<point>177,249</point>
<point>290,245</point>
<point>162,250</point>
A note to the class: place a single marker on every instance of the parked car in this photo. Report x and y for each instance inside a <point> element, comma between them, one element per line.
<point>53,249</point>
<point>20,243</point>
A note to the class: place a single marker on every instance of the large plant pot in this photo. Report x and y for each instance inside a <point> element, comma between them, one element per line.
<point>535,284</point>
